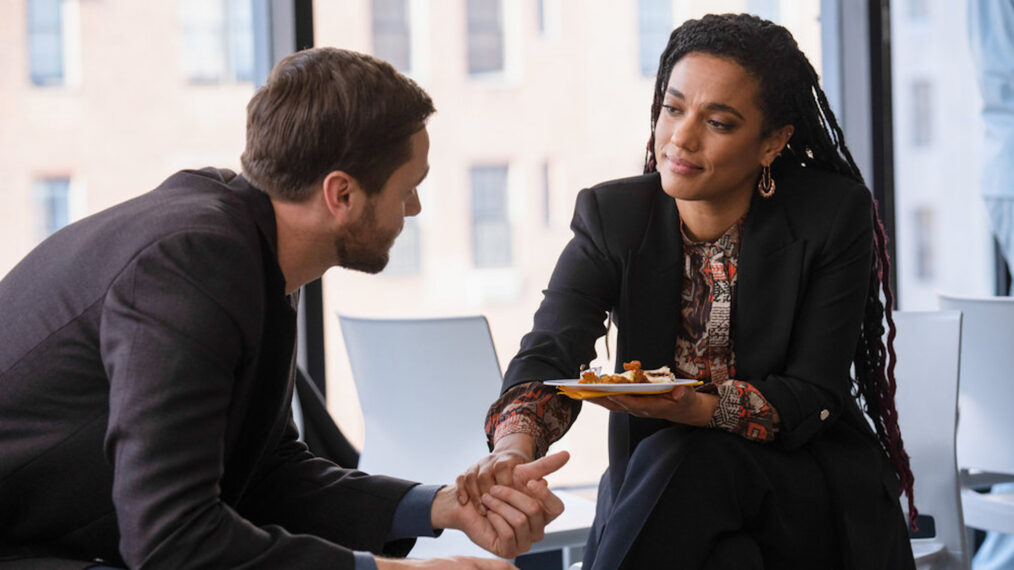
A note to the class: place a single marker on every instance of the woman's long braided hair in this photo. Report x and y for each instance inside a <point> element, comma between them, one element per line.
<point>790,93</point>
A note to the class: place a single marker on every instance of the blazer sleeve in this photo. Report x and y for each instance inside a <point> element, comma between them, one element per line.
<point>571,317</point>
<point>813,389</point>
<point>172,336</point>
<point>308,494</point>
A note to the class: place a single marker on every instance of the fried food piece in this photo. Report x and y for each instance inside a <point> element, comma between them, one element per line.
<point>633,374</point>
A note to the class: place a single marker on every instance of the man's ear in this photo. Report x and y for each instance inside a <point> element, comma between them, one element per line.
<point>775,142</point>
<point>342,195</point>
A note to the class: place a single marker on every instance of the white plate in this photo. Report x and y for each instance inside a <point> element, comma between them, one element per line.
<point>626,388</point>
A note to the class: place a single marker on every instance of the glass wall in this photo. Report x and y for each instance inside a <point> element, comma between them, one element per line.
<point>104,100</point>
<point>943,239</point>
<point>536,99</point>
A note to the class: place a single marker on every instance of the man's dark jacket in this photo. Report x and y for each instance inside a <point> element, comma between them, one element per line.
<point>145,360</point>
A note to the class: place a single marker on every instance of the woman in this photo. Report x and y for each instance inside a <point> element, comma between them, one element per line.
<point>749,256</point>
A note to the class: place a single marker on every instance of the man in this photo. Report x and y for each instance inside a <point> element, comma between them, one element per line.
<point>146,354</point>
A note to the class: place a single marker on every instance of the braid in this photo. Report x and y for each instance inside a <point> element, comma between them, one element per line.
<point>790,94</point>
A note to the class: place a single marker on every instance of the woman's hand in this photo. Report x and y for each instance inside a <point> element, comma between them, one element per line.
<point>497,468</point>
<point>683,405</point>
<point>515,516</point>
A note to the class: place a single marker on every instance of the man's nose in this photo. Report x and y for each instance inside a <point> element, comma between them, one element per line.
<point>413,206</point>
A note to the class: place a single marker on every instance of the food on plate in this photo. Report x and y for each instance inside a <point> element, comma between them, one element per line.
<point>632,374</point>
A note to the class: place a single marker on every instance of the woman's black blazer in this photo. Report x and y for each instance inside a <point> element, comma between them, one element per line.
<point>803,276</point>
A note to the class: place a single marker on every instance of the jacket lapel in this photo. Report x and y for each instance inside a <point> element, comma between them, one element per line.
<point>653,287</point>
<point>770,268</point>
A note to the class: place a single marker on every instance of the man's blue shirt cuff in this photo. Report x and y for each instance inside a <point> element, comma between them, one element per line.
<point>364,561</point>
<point>412,516</point>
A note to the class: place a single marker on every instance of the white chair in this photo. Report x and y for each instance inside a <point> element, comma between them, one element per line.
<point>927,346</point>
<point>424,387</point>
<point>986,425</point>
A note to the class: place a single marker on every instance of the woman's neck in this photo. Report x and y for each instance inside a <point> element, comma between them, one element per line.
<point>707,221</point>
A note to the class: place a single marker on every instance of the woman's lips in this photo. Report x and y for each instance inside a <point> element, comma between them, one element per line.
<point>683,167</point>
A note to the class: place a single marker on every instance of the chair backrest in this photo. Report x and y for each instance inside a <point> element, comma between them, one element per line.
<point>986,422</point>
<point>424,387</point>
<point>927,346</point>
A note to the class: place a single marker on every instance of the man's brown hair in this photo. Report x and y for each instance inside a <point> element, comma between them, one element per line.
<point>327,109</point>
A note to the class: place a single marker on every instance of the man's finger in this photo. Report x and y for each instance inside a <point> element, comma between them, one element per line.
<point>528,505</point>
<point>540,467</point>
<point>474,492</point>
<point>505,533</point>
<point>517,519</point>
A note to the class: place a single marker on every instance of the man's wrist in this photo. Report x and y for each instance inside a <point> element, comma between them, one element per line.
<point>445,508</point>
<point>364,561</point>
<point>412,516</point>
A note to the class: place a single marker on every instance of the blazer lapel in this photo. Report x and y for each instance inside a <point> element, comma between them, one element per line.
<point>653,288</point>
<point>770,268</point>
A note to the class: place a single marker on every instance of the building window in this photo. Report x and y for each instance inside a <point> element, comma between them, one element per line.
<point>406,258</point>
<point>922,113</point>
<point>924,254</point>
<point>767,9</point>
<point>392,40</point>
<point>918,10</point>
<point>217,40</point>
<point>654,20</point>
<point>485,36</point>
<point>52,198</point>
<point>491,232</point>
<point>45,41</point>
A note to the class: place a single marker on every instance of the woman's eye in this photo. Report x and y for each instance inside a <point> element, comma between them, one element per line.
<point>670,109</point>
<point>720,125</point>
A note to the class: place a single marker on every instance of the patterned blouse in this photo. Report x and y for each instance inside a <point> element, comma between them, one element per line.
<point>703,351</point>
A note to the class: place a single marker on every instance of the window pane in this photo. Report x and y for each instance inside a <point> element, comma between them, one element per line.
<point>131,122</point>
<point>217,40</point>
<point>922,113</point>
<point>492,243</point>
<point>918,10</point>
<point>391,33</point>
<point>241,41</point>
<point>944,243</point>
<point>654,19</point>
<point>45,41</point>
<point>52,197</point>
<point>924,233</point>
<point>490,228</point>
<point>204,40</point>
<point>485,36</point>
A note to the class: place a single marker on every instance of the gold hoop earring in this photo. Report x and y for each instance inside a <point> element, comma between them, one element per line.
<point>766,184</point>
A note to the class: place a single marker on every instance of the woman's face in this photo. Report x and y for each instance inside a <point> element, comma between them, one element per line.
<point>708,141</point>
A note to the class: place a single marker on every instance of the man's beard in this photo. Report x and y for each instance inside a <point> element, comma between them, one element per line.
<point>362,246</point>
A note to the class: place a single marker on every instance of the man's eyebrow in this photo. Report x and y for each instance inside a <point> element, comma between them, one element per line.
<point>713,106</point>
